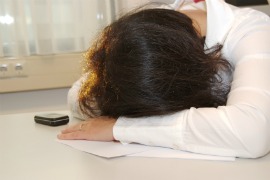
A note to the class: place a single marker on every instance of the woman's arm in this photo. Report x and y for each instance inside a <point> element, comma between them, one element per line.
<point>72,98</point>
<point>96,129</point>
<point>241,128</point>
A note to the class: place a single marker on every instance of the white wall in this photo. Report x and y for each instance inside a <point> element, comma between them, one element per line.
<point>129,4</point>
<point>263,8</point>
<point>126,5</point>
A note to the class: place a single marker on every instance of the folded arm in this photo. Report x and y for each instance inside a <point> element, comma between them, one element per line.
<point>241,128</point>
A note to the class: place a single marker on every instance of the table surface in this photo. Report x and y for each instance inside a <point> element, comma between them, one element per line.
<point>28,151</point>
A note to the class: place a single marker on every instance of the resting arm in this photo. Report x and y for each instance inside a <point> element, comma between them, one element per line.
<point>241,128</point>
<point>73,99</point>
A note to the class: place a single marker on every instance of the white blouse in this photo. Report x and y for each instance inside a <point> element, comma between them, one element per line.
<point>242,127</point>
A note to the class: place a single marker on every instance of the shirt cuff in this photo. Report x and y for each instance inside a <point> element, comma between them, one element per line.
<point>165,131</point>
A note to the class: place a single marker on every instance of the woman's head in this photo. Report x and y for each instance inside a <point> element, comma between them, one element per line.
<point>151,62</point>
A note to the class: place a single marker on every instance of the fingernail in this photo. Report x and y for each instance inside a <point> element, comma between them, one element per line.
<point>59,136</point>
<point>63,131</point>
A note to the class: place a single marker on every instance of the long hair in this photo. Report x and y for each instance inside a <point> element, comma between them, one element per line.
<point>152,62</point>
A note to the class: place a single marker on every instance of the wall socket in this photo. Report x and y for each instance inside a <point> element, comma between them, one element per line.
<point>11,69</point>
<point>5,70</point>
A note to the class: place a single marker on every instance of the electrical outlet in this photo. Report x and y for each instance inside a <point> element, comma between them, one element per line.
<point>5,70</point>
<point>19,69</point>
<point>12,69</point>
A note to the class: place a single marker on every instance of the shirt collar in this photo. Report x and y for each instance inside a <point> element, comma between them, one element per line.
<point>219,21</point>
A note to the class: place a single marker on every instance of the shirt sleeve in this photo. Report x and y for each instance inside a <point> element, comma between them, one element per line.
<point>239,129</point>
<point>73,101</point>
<point>72,98</point>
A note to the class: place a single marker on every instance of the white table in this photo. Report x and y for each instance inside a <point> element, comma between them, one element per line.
<point>28,151</point>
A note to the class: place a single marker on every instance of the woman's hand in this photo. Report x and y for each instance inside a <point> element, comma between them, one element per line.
<point>96,129</point>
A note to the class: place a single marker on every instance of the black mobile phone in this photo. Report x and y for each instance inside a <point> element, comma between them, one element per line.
<point>52,119</point>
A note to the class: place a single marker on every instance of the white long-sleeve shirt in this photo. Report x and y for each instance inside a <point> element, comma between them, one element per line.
<point>242,127</point>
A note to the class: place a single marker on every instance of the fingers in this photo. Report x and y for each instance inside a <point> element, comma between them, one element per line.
<point>98,129</point>
<point>76,135</point>
<point>74,132</point>
<point>74,128</point>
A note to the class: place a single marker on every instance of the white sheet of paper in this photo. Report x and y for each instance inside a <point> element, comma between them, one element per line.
<point>171,153</point>
<point>116,149</point>
<point>105,149</point>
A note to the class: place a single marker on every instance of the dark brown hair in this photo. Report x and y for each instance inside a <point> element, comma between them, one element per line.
<point>152,62</point>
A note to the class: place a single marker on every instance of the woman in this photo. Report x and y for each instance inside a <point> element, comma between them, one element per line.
<point>180,102</point>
